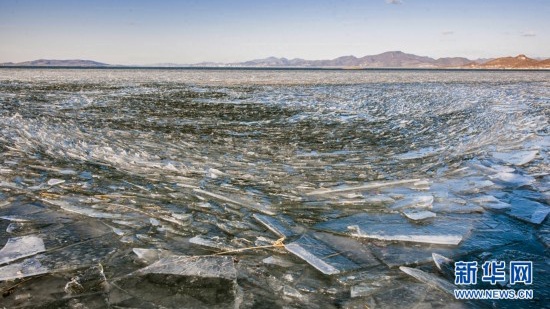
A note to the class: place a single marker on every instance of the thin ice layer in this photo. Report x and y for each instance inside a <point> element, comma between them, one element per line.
<point>418,215</point>
<point>73,257</point>
<point>394,227</point>
<point>274,225</point>
<point>365,187</point>
<point>19,247</point>
<point>517,157</point>
<point>528,210</point>
<point>429,279</point>
<point>193,266</point>
<point>414,201</point>
<point>236,201</point>
<point>320,255</point>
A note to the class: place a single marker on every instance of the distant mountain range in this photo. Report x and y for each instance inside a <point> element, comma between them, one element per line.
<point>391,59</point>
<point>57,63</point>
<point>518,62</point>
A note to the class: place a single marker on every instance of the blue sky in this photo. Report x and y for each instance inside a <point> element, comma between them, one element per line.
<point>146,32</point>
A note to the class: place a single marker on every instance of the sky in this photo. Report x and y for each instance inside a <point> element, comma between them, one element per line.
<point>187,31</point>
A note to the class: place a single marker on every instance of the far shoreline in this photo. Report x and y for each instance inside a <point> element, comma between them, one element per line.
<point>275,68</point>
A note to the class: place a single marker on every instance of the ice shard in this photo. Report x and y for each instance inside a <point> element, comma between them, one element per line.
<point>400,254</point>
<point>236,201</point>
<point>193,266</point>
<point>418,215</point>
<point>26,268</point>
<point>429,279</point>
<point>149,256</point>
<point>444,265</point>
<point>279,261</point>
<point>20,247</point>
<point>55,181</point>
<point>528,210</point>
<point>73,257</point>
<point>490,202</point>
<point>394,227</point>
<point>196,281</point>
<point>517,157</point>
<point>275,225</point>
<point>214,242</point>
<point>363,290</point>
<point>320,255</point>
<point>415,201</point>
<point>88,281</point>
<point>365,187</point>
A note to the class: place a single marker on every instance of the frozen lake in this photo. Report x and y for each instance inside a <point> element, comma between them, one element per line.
<point>122,187</point>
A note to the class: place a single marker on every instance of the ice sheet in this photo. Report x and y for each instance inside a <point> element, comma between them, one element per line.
<point>20,247</point>
<point>394,227</point>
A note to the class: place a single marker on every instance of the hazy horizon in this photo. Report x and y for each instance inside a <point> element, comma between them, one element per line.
<point>185,32</point>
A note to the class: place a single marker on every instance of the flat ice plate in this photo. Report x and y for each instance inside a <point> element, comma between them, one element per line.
<point>394,227</point>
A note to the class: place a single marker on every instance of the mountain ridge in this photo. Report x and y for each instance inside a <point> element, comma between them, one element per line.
<point>519,62</point>
<point>57,63</point>
<point>389,59</point>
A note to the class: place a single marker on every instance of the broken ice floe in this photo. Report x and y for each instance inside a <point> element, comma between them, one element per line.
<point>399,254</point>
<point>26,268</point>
<point>274,225</point>
<point>444,265</point>
<point>470,186</point>
<point>148,256</point>
<point>320,255</point>
<point>237,201</point>
<point>350,248</point>
<point>429,279</point>
<point>76,256</point>
<point>196,281</point>
<point>55,181</point>
<point>513,179</point>
<point>517,157</point>
<point>362,290</point>
<point>193,266</point>
<point>20,247</point>
<point>419,153</point>
<point>394,227</point>
<point>214,243</point>
<point>490,202</point>
<point>279,261</point>
<point>365,187</point>
<point>379,199</point>
<point>88,281</point>
<point>414,201</point>
<point>418,215</point>
<point>83,210</point>
<point>217,157</point>
<point>456,206</point>
<point>528,210</point>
